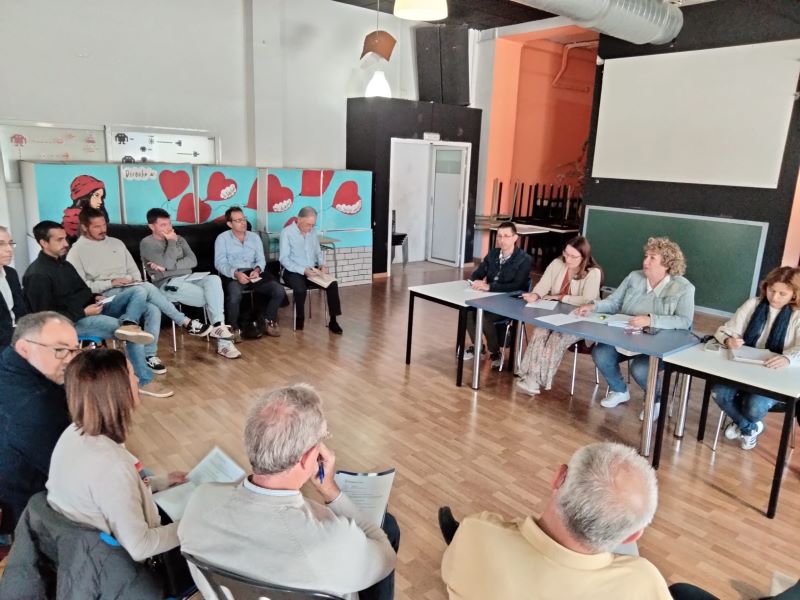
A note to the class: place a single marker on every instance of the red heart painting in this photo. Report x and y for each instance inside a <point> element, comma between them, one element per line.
<point>252,199</point>
<point>205,211</point>
<point>185,212</point>
<point>173,183</point>
<point>220,188</point>
<point>315,183</point>
<point>347,201</point>
<point>279,198</point>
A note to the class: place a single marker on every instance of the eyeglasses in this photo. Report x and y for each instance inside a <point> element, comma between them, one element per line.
<point>238,220</point>
<point>4,244</point>
<point>60,352</point>
<point>571,256</point>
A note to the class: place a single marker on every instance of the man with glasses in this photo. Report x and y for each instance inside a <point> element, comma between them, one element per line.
<point>505,269</point>
<point>264,528</point>
<point>12,302</point>
<point>33,407</point>
<point>52,283</point>
<point>240,261</point>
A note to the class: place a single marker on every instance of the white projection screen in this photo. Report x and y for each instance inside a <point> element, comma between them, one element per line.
<point>717,117</point>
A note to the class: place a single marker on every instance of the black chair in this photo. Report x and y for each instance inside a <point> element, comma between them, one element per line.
<point>227,585</point>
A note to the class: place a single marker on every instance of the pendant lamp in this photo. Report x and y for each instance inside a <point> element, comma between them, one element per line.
<point>378,86</point>
<point>421,10</point>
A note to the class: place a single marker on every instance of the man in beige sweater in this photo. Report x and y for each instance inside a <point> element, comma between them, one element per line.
<point>605,497</point>
<point>263,528</point>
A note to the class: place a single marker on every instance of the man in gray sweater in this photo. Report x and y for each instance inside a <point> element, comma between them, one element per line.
<point>169,261</point>
<point>263,527</point>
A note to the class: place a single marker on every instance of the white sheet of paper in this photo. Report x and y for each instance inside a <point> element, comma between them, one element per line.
<point>216,466</point>
<point>368,491</point>
<point>191,276</point>
<point>561,319</point>
<point>106,300</point>
<point>543,304</point>
<point>747,354</point>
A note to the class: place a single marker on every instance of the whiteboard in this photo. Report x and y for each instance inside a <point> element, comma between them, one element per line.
<point>27,141</point>
<point>156,145</point>
<point>716,117</point>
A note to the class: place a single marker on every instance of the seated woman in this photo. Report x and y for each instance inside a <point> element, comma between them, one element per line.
<point>93,479</point>
<point>771,321</point>
<point>574,278</point>
<point>658,296</point>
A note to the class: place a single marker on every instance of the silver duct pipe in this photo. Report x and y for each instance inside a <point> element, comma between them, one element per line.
<point>636,21</point>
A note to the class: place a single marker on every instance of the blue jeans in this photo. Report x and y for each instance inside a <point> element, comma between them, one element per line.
<point>384,589</point>
<point>745,409</point>
<point>206,291</point>
<point>607,359</point>
<point>129,304</point>
<point>104,326</point>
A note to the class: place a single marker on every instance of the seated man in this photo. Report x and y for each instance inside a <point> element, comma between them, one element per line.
<point>300,256</point>
<point>51,283</point>
<point>167,257</point>
<point>12,301</point>
<point>263,528</point>
<point>33,407</point>
<point>504,269</point>
<point>240,261</point>
<point>107,267</point>
<point>604,498</point>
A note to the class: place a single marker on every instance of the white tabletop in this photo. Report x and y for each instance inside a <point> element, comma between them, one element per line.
<point>784,381</point>
<point>452,292</point>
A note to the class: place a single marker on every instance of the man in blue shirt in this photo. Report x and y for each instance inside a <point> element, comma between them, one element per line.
<point>241,264</point>
<point>301,256</point>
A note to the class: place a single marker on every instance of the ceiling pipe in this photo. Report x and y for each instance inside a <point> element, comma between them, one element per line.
<point>564,61</point>
<point>636,21</point>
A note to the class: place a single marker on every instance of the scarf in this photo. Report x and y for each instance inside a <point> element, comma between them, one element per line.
<point>777,335</point>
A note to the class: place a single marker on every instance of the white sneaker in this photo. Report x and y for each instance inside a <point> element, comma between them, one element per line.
<point>229,351</point>
<point>221,332</point>
<point>749,441</point>
<point>732,432</point>
<point>656,412</point>
<point>528,386</point>
<point>615,398</point>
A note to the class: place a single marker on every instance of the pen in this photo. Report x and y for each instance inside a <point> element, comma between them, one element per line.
<point>321,473</point>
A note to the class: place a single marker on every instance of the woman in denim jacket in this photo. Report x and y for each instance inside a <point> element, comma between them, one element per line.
<point>657,296</point>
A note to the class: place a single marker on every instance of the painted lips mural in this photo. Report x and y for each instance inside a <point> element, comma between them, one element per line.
<point>347,201</point>
<point>279,198</point>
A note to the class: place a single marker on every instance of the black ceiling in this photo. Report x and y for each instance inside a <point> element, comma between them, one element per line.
<point>477,14</point>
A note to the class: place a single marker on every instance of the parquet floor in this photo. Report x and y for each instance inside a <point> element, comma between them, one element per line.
<point>492,449</point>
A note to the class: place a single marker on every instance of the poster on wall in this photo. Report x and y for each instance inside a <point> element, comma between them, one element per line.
<point>346,200</point>
<point>131,146</point>
<point>222,187</point>
<point>170,187</point>
<point>59,192</point>
<point>289,190</point>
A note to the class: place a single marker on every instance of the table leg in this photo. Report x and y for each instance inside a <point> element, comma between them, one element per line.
<point>411,296</point>
<point>462,332</point>
<point>649,403</point>
<point>701,427</point>
<point>662,417</point>
<point>780,462</point>
<point>680,426</point>
<point>476,368</point>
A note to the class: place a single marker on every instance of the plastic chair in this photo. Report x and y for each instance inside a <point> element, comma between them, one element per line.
<point>231,586</point>
<point>580,347</point>
<point>780,407</point>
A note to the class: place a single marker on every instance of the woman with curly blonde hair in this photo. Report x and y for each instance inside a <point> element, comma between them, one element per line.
<point>658,296</point>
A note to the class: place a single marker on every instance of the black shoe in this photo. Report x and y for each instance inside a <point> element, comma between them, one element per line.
<point>335,328</point>
<point>447,524</point>
<point>298,324</point>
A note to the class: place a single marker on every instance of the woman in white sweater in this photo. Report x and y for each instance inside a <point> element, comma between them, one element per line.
<point>770,321</point>
<point>93,479</point>
<point>573,278</point>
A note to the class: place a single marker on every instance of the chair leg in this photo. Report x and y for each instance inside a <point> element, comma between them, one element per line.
<point>503,347</point>
<point>574,368</point>
<point>596,376</point>
<point>174,338</point>
<point>720,423</point>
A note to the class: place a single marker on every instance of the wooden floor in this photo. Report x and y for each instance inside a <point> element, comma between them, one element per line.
<point>495,449</point>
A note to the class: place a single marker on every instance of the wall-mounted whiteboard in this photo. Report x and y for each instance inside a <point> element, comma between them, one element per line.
<point>717,117</point>
<point>161,145</point>
<point>28,141</point>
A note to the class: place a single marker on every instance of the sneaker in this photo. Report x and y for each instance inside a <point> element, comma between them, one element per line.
<point>528,386</point>
<point>156,366</point>
<point>732,432</point>
<point>615,398</point>
<point>229,351</point>
<point>656,412</point>
<point>274,330</point>
<point>497,358</point>
<point>198,328</point>
<point>133,334</point>
<point>221,332</point>
<point>335,328</point>
<point>749,441</point>
<point>469,353</point>
<point>156,390</point>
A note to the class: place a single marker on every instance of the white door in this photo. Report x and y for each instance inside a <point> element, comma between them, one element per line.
<point>447,211</point>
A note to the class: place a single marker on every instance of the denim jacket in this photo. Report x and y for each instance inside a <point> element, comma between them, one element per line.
<point>673,308</point>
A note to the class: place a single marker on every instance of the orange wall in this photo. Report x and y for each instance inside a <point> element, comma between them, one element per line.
<point>791,251</point>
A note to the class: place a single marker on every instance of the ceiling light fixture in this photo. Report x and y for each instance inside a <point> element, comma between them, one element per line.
<point>421,10</point>
<point>378,86</point>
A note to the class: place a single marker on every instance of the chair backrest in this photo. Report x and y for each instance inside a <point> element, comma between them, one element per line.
<point>231,586</point>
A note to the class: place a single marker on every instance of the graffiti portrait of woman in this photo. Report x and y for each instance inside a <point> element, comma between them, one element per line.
<point>84,190</point>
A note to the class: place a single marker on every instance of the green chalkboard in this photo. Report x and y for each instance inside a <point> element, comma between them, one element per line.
<point>723,256</point>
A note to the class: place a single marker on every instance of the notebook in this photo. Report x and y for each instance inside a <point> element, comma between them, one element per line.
<point>754,356</point>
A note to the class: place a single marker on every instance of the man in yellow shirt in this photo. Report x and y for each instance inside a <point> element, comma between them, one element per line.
<point>605,497</point>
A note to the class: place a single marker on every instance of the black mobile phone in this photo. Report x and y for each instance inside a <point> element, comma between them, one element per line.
<point>517,294</point>
<point>650,330</point>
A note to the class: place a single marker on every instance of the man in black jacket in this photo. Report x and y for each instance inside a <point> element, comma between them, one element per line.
<point>12,302</point>
<point>33,407</point>
<point>504,269</point>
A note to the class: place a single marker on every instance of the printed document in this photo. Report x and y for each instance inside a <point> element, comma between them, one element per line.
<point>543,304</point>
<point>748,354</point>
<point>368,491</point>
